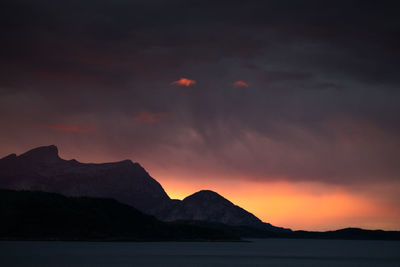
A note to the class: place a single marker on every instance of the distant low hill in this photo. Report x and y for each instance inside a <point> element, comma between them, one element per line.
<point>30,215</point>
<point>41,169</point>
<point>346,233</point>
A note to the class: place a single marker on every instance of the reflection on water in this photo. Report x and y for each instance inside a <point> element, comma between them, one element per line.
<point>259,252</point>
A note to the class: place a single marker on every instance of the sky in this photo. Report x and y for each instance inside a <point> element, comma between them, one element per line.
<point>289,109</point>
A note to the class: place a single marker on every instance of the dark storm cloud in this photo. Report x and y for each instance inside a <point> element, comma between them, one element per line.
<point>322,105</point>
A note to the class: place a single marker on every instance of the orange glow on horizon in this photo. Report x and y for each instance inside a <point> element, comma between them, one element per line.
<point>299,206</point>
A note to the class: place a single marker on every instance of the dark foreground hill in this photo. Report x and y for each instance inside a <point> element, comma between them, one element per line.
<point>41,169</point>
<point>50,216</point>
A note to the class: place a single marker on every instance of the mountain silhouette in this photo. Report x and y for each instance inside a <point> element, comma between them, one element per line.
<point>209,206</point>
<point>41,169</point>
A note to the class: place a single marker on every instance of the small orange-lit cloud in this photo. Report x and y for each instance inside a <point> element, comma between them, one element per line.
<point>72,128</point>
<point>184,82</point>
<point>151,117</point>
<point>240,84</point>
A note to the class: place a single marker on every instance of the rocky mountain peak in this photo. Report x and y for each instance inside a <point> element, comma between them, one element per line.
<point>205,195</point>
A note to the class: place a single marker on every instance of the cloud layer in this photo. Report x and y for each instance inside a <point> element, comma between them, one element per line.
<point>322,105</point>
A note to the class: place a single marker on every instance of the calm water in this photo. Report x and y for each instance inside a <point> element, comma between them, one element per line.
<point>265,252</point>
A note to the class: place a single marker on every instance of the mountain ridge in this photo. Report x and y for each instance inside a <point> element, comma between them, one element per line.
<point>42,169</point>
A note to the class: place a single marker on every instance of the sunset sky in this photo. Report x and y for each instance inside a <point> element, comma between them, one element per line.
<point>290,109</point>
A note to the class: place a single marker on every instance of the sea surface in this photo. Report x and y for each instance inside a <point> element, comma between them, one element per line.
<point>257,252</point>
